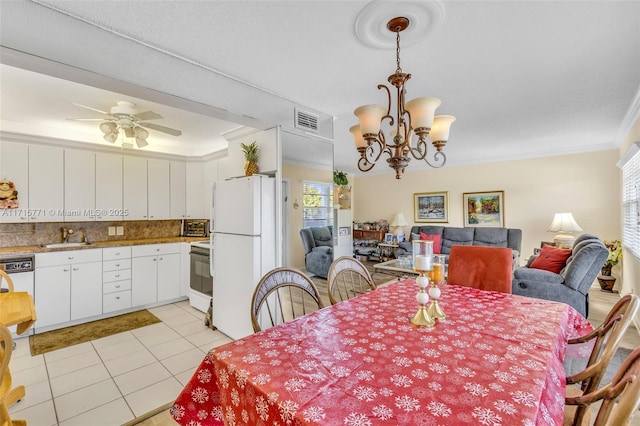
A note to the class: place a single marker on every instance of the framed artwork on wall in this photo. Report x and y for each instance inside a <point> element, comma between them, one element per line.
<point>431,207</point>
<point>483,209</point>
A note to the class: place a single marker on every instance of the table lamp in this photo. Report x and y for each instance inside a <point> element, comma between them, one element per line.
<point>564,224</point>
<point>398,222</point>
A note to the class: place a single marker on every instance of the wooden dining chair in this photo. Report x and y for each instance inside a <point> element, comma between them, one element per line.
<point>282,295</point>
<point>606,338</point>
<point>482,267</point>
<point>8,394</point>
<point>620,398</point>
<point>348,278</point>
<point>6,283</point>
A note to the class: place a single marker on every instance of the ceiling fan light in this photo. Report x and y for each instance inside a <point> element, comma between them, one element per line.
<point>357,137</point>
<point>141,143</point>
<point>111,137</point>
<point>108,127</point>
<point>141,133</point>
<point>370,116</point>
<point>422,111</point>
<point>441,127</point>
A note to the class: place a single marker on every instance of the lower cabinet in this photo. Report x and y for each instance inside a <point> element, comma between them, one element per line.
<point>116,279</point>
<point>155,270</point>
<point>68,286</point>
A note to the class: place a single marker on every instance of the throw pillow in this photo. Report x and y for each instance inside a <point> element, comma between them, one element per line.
<point>551,259</point>
<point>437,242</point>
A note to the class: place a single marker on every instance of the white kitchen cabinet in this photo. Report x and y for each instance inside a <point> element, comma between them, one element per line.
<point>79,185</point>
<point>109,187</point>
<point>46,183</point>
<point>116,279</point>
<point>155,270</point>
<point>158,190</point>
<point>178,187</point>
<point>14,166</point>
<point>195,191</point>
<point>68,286</point>
<point>86,290</point>
<point>134,188</point>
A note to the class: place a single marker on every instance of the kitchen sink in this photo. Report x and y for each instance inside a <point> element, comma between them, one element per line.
<point>61,245</point>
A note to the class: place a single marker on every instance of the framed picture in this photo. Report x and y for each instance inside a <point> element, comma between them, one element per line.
<point>483,209</point>
<point>400,238</point>
<point>344,230</point>
<point>431,207</point>
<point>388,238</point>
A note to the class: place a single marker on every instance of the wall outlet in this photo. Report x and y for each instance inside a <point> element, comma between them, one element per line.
<point>112,230</point>
<point>120,230</point>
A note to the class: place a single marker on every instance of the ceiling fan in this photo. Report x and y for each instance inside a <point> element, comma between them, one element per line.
<point>125,116</point>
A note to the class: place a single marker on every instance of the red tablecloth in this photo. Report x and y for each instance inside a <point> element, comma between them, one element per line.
<point>496,360</point>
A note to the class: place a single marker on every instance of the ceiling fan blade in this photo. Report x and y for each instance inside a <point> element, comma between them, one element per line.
<point>163,129</point>
<point>128,132</point>
<point>148,115</point>
<point>92,109</point>
<point>86,119</point>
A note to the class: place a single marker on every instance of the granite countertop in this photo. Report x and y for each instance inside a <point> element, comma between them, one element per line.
<point>19,250</point>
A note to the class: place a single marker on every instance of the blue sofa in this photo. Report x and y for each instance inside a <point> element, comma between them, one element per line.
<point>318,249</point>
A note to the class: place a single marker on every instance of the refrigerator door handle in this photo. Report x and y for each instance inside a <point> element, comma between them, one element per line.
<point>211,256</point>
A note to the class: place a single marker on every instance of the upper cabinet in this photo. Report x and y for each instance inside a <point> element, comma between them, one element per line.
<point>109,187</point>
<point>14,167</point>
<point>134,188</point>
<point>196,191</point>
<point>79,185</point>
<point>267,153</point>
<point>46,183</point>
<point>158,188</point>
<point>178,186</point>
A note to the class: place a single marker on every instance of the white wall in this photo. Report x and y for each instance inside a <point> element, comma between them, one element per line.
<point>585,184</point>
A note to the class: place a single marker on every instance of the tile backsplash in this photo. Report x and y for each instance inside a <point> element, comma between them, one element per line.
<point>28,234</point>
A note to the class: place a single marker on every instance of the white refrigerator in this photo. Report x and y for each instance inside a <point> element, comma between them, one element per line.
<point>243,232</point>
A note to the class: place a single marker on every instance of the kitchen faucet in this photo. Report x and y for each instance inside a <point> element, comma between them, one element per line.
<point>66,233</point>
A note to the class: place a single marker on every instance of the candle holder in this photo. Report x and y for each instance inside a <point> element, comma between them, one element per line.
<point>434,310</point>
<point>422,263</point>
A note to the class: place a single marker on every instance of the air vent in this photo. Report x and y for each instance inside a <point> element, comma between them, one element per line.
<point>306,120</point>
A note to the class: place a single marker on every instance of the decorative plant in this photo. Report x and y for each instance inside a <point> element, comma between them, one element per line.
<point>615,252</point>
<point>340,178</point>
<point>251,156</point>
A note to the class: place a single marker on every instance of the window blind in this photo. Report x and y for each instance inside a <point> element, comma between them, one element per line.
<point>317,202</point>
<point>631,199</point>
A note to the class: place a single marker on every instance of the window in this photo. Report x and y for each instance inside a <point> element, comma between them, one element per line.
<point>630,164</point>
<point>317,201</point>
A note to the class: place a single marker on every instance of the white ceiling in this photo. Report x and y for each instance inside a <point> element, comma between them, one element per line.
<point>523,78</point>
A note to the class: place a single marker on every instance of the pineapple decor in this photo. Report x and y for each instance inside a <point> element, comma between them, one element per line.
<point>251,156</point>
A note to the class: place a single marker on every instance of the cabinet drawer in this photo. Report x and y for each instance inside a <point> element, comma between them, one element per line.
<point>67,257</point>
<point>154,249</point>
<point>113,253</point>
<point>111,276</point>
<point>116,301</point>
<point>116,265</point>
<point>116,286</point>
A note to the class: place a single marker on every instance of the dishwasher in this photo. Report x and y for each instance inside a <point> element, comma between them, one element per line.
<point>21,270</point>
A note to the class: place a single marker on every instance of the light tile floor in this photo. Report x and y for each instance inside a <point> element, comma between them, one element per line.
<point>111,381</point>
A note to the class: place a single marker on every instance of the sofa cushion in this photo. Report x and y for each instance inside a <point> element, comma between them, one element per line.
<point>456,237</point>
<point>322,249</point>
<point>322,235</point>
<point>551,259</point>
<point>495,237</point>
<point>437,242</point>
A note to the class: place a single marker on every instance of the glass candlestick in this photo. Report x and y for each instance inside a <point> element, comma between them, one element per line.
<point>422,263</point>
<point>434,310</point>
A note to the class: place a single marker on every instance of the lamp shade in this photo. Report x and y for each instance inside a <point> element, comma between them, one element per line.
<point>399,220</point>
<point>111,137</point>
<point>564,222</point>
<point>422,110</point>
<point>441,128</point>
<point>370,116</point>
<point>357,137</point>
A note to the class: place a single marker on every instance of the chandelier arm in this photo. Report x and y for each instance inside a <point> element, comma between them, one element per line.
<point>364,165</point>
<point>381,148</point>
<point>420,151</point>
<point>383,86</point>
<point>437,156</point>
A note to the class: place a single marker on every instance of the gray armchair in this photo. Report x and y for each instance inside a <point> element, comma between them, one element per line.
<point>572,284</point>
<point>318,249</point>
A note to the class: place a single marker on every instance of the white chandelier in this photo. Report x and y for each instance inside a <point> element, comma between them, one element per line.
<point>416,116</point>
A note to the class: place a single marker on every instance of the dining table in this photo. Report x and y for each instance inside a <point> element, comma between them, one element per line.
<point>496,359</point>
